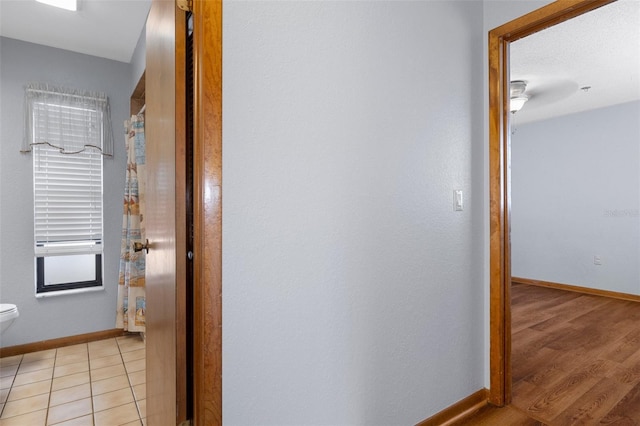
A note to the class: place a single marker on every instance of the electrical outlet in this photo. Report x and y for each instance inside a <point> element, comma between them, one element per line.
<point>597,260</point>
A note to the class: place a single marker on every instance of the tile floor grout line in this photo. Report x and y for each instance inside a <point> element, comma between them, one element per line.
<point>4,404</point>
<point>127,374</point>
<point>129,381</point>
<point>93,408</point>
<point>55,358</point>
<point>13,380</point>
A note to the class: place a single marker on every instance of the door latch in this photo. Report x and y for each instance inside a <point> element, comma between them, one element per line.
<point>139,246</point>
<point>185,5</point>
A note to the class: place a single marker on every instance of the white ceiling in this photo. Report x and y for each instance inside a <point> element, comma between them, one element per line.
<point>105,28</point>
<point>600,49</point>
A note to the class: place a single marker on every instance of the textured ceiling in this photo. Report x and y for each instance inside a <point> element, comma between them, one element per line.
<point>105,28</point>
<point>600,49</point>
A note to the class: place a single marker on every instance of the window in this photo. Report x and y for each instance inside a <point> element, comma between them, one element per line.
<point>66,132</point>
<point>67,219</point>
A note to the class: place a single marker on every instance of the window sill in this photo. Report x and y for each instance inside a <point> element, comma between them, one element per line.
<point>68,292</point>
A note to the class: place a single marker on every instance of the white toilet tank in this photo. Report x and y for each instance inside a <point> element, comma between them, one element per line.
<point>8,313</point>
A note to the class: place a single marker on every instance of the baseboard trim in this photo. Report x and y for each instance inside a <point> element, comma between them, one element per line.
<point>60,342</point>
<point>577,289</point>
<point>458,411</point>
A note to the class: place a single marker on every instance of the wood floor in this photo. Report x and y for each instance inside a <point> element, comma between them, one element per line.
<point>506,416</point>
<point>575,360</point>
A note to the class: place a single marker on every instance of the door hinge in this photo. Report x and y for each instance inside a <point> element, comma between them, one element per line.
<point>185,423</point>
<point>184,5</point>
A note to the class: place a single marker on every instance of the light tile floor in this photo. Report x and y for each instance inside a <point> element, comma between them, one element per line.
<point>100,383</point>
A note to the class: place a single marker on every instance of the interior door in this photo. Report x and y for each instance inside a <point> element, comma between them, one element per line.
<point>166,219</point>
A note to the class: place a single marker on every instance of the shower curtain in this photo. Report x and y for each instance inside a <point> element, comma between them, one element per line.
<point>131,281</point>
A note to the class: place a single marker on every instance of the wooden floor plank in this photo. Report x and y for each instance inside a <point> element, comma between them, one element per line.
<point>548,376</point>
<point>528,365</point>
<point>525,395</point>
<point>554,401</point>
<point>493,416</point>
<point>567,312</point>
<point>594,404</point>
<point>538,309</point>
<point>627,411</point>
<point>530,341</point>
<point>623,349</point>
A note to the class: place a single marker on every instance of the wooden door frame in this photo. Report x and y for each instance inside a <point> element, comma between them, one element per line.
<point>207,205</point>
<point>500,184</point>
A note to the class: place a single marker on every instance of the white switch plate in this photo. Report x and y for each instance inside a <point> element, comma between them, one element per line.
<point>597,260</point>
<point>458,202</point>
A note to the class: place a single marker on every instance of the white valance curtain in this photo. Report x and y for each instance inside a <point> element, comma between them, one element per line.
<point>66,119</point>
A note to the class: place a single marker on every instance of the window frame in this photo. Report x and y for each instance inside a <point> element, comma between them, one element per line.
<point>42,288</point>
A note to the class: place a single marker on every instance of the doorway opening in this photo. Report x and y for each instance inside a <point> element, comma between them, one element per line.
<point>500,180</point>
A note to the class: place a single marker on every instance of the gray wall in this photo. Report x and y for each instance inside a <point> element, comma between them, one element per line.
<point>52,317</point>
<point>575,195</point>
<point>352,290</point>
<point>139,59</point>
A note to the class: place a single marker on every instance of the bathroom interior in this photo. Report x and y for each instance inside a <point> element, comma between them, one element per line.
<point>52,335</point>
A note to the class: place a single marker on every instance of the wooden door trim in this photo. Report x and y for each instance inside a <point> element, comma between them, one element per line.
<point>207,181</point>
<point>499,183</point>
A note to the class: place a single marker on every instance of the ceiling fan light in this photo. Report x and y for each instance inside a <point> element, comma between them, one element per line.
<point>517,103</point>
<point>517,88</point>
<point>63,4</point>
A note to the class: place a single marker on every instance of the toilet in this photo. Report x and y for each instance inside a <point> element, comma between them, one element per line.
<point>8,313</point>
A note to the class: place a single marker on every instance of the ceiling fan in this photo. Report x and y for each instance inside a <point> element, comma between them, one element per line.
<point>517,96</point>
<point>540,91</point>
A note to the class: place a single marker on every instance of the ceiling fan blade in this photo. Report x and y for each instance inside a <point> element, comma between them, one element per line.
<point>551,91</point>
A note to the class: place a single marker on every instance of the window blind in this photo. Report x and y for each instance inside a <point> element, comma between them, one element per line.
<point>66,126</point>
<point>67,201</point>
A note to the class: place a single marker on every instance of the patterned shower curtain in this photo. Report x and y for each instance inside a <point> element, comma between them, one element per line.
<point>131,282</point>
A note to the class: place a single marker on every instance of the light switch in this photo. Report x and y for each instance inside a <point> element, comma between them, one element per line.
<point>457,200</point>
